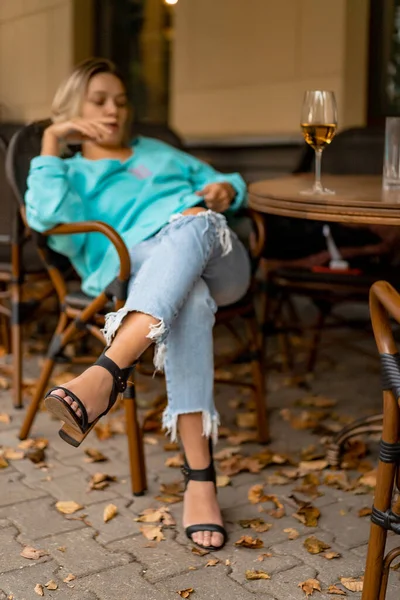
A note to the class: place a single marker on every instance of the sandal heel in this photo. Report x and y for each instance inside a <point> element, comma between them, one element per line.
<point>73,436</point>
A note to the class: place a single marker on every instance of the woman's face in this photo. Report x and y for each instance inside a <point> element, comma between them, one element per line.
<point>106,99</point>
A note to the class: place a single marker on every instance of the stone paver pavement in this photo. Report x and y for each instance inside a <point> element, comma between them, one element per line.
<point>114,560</point>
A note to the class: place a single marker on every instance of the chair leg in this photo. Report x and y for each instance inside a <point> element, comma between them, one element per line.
<point>16,344</point>
<point>39,392</point>
<point>258,375</point>
<point>135,444</point>
<point>316,339</point>
<point>5,333</point>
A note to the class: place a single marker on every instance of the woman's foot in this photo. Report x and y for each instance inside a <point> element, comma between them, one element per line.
<point>201,506</point>
<point>93,387</point>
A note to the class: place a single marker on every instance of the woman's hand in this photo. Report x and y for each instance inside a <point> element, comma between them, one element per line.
<point>74,131</point>
<point>218,196</point>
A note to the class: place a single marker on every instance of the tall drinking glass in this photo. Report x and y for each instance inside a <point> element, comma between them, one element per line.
<point>318,124</point>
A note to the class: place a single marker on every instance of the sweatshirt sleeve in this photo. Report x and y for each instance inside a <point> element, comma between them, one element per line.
<point>51,201</point>
<point>202,174</point>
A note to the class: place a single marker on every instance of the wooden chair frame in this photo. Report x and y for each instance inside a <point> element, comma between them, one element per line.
<point>385,303</point>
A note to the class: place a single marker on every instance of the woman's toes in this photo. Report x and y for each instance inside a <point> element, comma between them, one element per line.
<point>74,406</point>
<point>217,540</point>
<point>68,400</point>
<point>198,538</point>
<point>206,539</point>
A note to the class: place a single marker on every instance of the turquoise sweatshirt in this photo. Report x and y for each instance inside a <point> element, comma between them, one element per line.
<point>137,197</point>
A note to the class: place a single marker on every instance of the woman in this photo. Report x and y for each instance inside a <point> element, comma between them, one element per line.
<point>168,208</point>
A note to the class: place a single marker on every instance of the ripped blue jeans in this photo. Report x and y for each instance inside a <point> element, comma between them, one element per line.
<point>180,276</point>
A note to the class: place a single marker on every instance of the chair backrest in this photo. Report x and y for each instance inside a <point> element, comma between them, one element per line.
<point>355,151</point>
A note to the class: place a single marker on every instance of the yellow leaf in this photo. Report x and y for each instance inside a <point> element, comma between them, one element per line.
<point>212,562</point>
<point>51,585</point>
<point>68,507</point>
<point>352,584</point>
<point>4,418</point>
<point>39,589</point>
<point>256,494</point>
<point>252,574</point>
<point>69,577</point>
<point>153,533</point>
<point>335,590</point>
<point>95,455</point>
<point>61,549</point>
<point>3,463</point>
<point>261,557</point>
<point>223,480</point>
<point>308,515</point>
<point>199,551</point>
<point>174,461</point>
<point>32,553</point>
<point>313,465</point>
<point>109,512</point>
<point>185,593</point>
<point>331,555</point>
<point>246,420</point>
<point>11,454</point>
<point>246,541</point>
<point>314,545</point>
<point>309,586</point>
<point>293,533</point>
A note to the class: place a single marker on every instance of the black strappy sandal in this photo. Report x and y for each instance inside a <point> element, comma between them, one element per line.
<point>207,474</point>
<point>75,428</point>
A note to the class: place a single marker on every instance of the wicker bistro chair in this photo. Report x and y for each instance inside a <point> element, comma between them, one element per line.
<point>80,314</point>
<point>385,304</point>
<point>19,263</point>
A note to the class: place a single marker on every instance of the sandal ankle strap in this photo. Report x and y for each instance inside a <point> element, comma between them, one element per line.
<point>207,474</point>
<point>120,376</point>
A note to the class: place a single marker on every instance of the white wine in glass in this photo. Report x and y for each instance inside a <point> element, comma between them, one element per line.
<point>318,124</point>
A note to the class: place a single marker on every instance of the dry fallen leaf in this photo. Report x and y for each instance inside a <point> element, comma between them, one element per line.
<point>175,461</point>
<point>279,511</point>
<point>109,512</point>
<point>246,541</point>
<point>312,465</point>
<point>261,557</point>
<point>252,575</point>
<point>32,553</point>
<point>51,585</point>
<point>212,562</point>
<point>308,515</point>
<point>258,525</point>
<point>246,420</point>
<point>315,546</point>
<point>155,515</point>
<point>369,479</point>
<point>223,480</point>
<point>199,551</point>
<point>309,586</point>
<point>256,494</point>
<point>4,418</point>
<point>3,463</point>
<point>335,590</point>
<point>331,555</point>
<point>170,446</point>
<point>95,455</point>
<point>61,549</point>
<point>11,454</point>
<point>352,584</point>
<point>100,481</point>
<point>293,533</point>
<point>68,507</point>
<point>39,589</point>
<point>185,593</point>
<point>174,488</point>
<point>153,533</point>
<point>317,402</point>
<point>226,453</point>
<point>69,577</point>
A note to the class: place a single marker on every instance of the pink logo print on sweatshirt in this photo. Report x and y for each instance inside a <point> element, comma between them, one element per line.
<point>141,172</point>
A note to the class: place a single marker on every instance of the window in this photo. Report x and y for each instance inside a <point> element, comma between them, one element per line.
<point>137,35</point>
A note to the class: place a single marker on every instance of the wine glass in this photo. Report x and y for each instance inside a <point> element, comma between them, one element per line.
<point>318,124</point>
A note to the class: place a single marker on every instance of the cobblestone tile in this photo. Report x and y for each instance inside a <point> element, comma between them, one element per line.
<point>243,559</point>
<point>13,490</point>
<point>165,559</point>
<point>353,532</point>
<point>74,487</point>
<point>123,583</point>
<point>11,559</point>
<point>21,584</point>
<point>39,518</point>
<point>82,555</point>
<point>211,583</point>
<point>121,526</point>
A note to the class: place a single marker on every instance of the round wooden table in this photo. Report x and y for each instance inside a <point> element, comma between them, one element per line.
<point>358,199</point>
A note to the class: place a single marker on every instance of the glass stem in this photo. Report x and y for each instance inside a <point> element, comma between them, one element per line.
<point>318,157</point>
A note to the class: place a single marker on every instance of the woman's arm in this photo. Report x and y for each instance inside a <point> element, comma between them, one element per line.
<point>50,200</point>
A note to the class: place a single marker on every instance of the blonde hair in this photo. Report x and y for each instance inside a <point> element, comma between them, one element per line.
<point>69,97</point>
